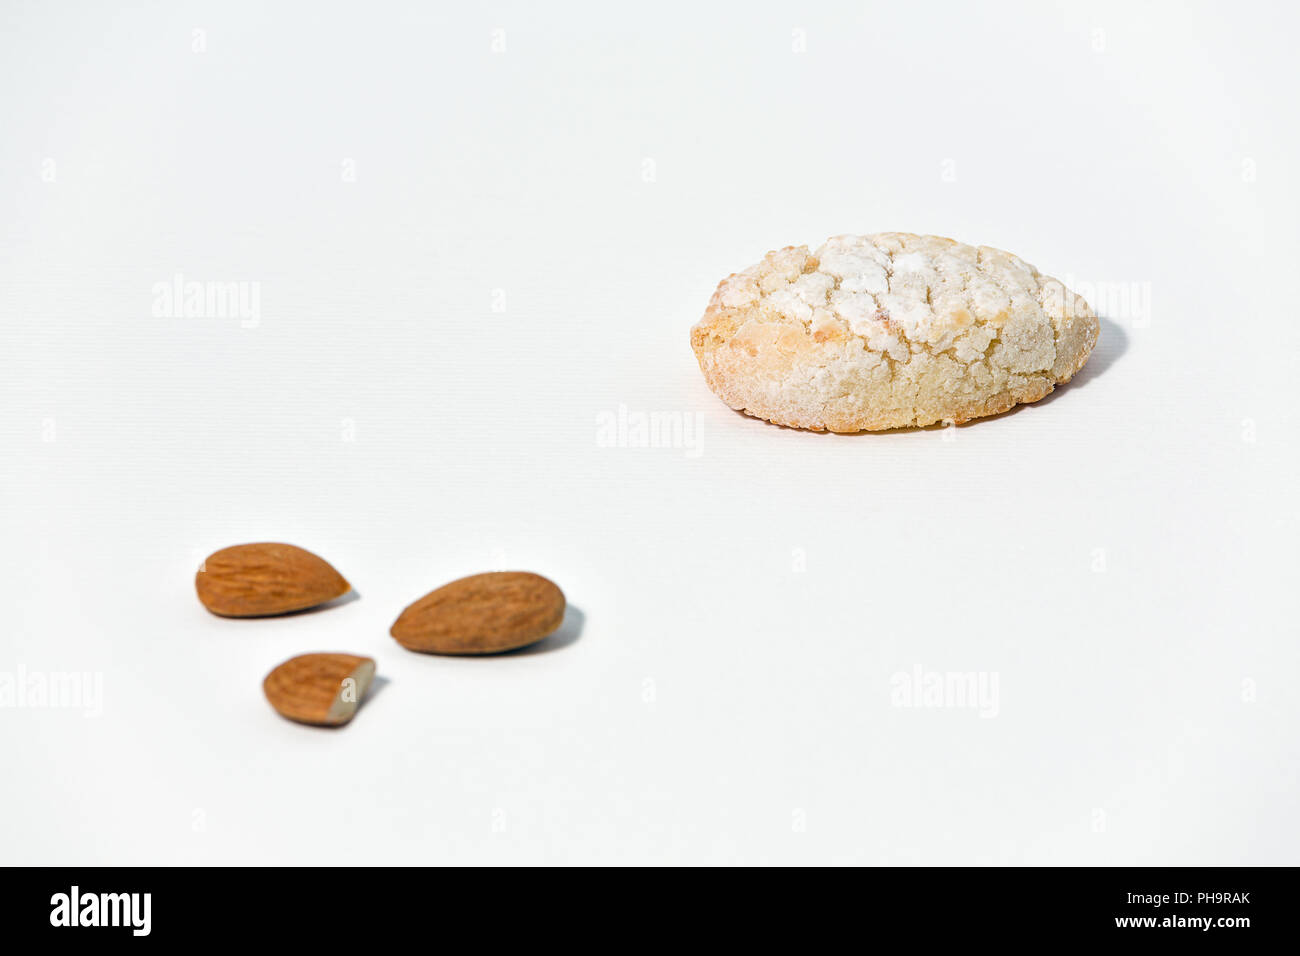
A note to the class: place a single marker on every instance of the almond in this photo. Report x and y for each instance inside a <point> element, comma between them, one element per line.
<point>482,614</point>
<point>257,580</point>
<point>322,689</point>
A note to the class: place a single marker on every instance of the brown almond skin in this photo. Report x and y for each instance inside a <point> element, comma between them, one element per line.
<point>258,580</point>
<point>482,614</point>
<point>306,688</point>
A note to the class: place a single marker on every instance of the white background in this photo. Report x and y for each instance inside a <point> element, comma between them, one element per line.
<point>465,257</point>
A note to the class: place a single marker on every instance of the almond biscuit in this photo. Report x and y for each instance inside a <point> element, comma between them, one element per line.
<point>891,330</point>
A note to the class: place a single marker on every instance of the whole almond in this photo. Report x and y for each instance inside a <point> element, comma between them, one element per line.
<point>482,614</point>
<point>257,580</point>
<point>322,689</point>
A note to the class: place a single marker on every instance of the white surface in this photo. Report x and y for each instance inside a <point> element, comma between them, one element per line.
<point>605,171</point>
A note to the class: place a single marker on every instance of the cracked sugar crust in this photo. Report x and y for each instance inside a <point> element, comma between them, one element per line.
<point>890,330</point>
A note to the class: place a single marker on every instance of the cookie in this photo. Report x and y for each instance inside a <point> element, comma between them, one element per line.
<point>890,330</point>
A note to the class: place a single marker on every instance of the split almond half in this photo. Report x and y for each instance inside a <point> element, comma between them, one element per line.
<point>258,580</point>
<point>320,689</point>
<point>482,614</point>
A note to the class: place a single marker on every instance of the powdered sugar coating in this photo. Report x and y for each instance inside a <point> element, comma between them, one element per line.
<point>889,330</point>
